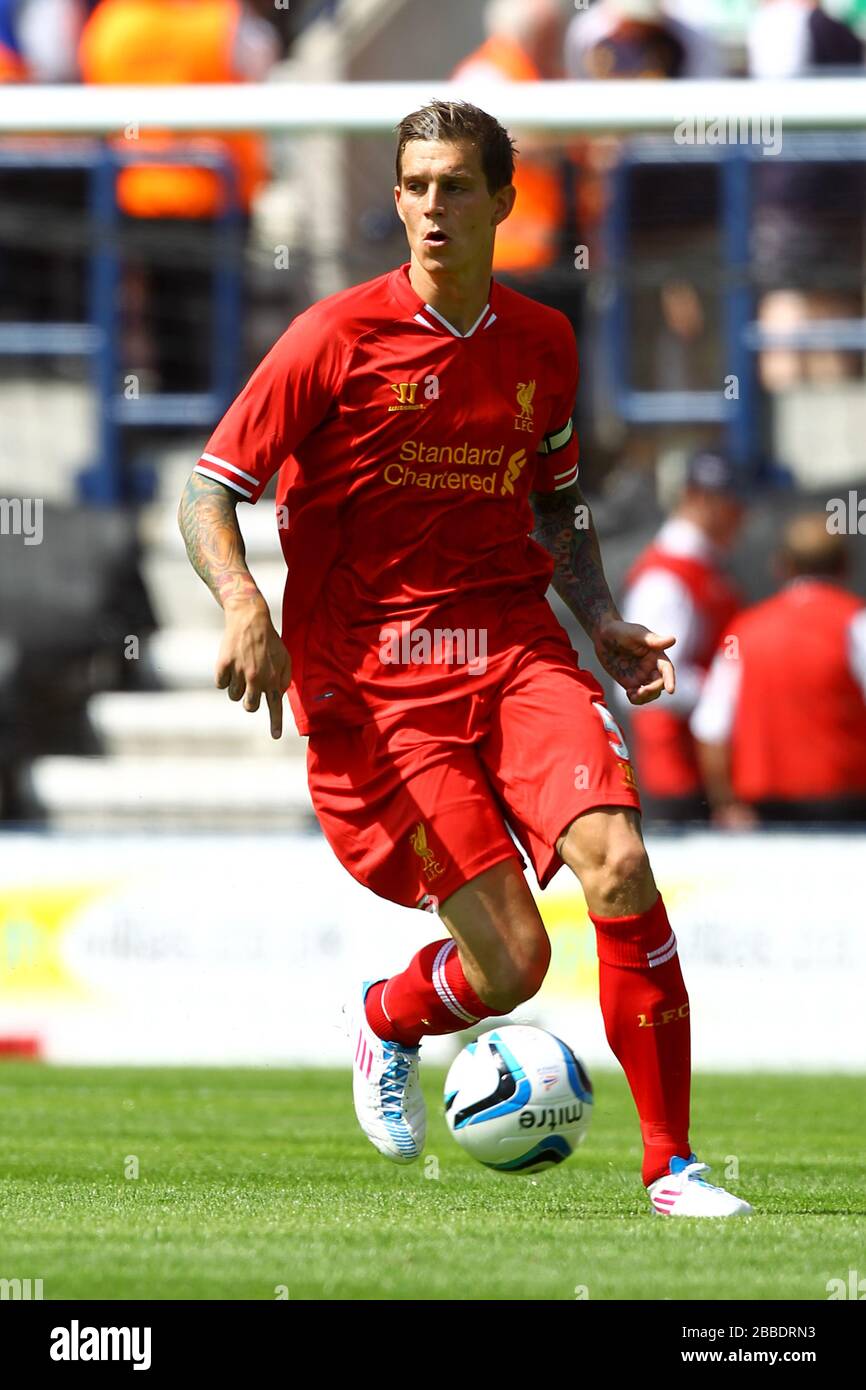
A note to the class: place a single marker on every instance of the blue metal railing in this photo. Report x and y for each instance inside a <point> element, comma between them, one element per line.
<point>742,336</point>
<point>324,9</point>
<point>103,481</point>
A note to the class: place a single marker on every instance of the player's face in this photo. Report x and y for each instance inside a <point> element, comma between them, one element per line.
<point>730,516</point>
<point>721,516</point>
<point>444,204</point>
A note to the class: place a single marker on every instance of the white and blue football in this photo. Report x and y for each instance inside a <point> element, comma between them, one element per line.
<point>518,1099</point>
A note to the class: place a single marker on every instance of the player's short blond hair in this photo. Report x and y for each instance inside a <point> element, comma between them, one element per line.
<point>461,121</point>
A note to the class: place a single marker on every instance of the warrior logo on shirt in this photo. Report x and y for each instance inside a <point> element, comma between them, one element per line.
<point>405,391</point>
<point>418,841</point>
<point>525,393</point>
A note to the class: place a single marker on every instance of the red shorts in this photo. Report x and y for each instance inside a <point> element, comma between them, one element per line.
<point>415,804</point>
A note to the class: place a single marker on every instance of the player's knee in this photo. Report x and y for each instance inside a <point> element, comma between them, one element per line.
<point>617,861</point>
<point>517,977</point>
<point>625,864</point>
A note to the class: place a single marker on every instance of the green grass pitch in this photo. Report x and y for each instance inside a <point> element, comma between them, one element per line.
<point>257,1184</point>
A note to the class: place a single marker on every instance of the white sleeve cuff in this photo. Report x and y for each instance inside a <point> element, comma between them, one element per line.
<point>713,719</point>
<point>857,649</point>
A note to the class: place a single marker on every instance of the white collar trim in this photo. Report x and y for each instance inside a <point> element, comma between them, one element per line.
<point>428,308</point>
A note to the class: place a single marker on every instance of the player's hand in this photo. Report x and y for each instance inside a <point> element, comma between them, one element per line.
<point>252,660</point>
<point>635,658</point>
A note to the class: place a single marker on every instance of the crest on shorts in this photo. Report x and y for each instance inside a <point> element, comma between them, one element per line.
<point>418,841</point>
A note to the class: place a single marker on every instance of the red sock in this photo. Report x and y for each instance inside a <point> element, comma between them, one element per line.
<point>431,996</point>
<point>646,1018</point>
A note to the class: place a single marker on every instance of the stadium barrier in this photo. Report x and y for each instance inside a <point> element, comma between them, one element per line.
<point>809,103</point>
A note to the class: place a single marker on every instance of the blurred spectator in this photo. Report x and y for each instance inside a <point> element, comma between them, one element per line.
<point>781,723</point>
<point>672,231</point>
<point>808,218</point>
<point>524,44</point>
<point>590,29</point>
<point>788,38</point>
<point>177,41</point>
<point>13,67</point>
<point>678,586</point>
<point>50,31</point>
<point>42,214</point>
<point>616,45</point>
<point>180,41</point>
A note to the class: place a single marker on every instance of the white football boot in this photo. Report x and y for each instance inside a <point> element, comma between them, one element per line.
<point>388,1099</point>
<point>683,1192</point>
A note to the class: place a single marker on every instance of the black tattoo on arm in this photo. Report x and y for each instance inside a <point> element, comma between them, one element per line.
<point>564,526</point>
<point>208,523</point>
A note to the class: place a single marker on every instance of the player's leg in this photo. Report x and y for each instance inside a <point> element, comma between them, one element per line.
<point>502,943</point>
<point>643,996</point>
<point>644,1004</point>
<point>495,958</point>
<point>557,759</point>
<point>411,816</point>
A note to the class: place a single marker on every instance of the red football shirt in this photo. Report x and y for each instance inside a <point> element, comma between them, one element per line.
<point>406,454</point>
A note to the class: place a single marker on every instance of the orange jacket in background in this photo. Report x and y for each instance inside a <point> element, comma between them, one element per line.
<point>529,239</point>
<point>171,41</point>
<point>12,66</point>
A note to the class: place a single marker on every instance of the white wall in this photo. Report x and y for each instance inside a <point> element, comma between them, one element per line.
<point>207,949</point>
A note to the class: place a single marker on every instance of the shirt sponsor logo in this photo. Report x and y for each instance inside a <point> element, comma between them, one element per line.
<point>398,476</point>
<point>414,451</point>
<point>467,480</point>
<point>512,471</point>
<point>405,391</point>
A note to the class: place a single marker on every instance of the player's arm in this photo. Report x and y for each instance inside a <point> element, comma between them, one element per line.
<point>714,761</point>
<point>628,651</point>
<point>252,660</point>
<point>712,727</point>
